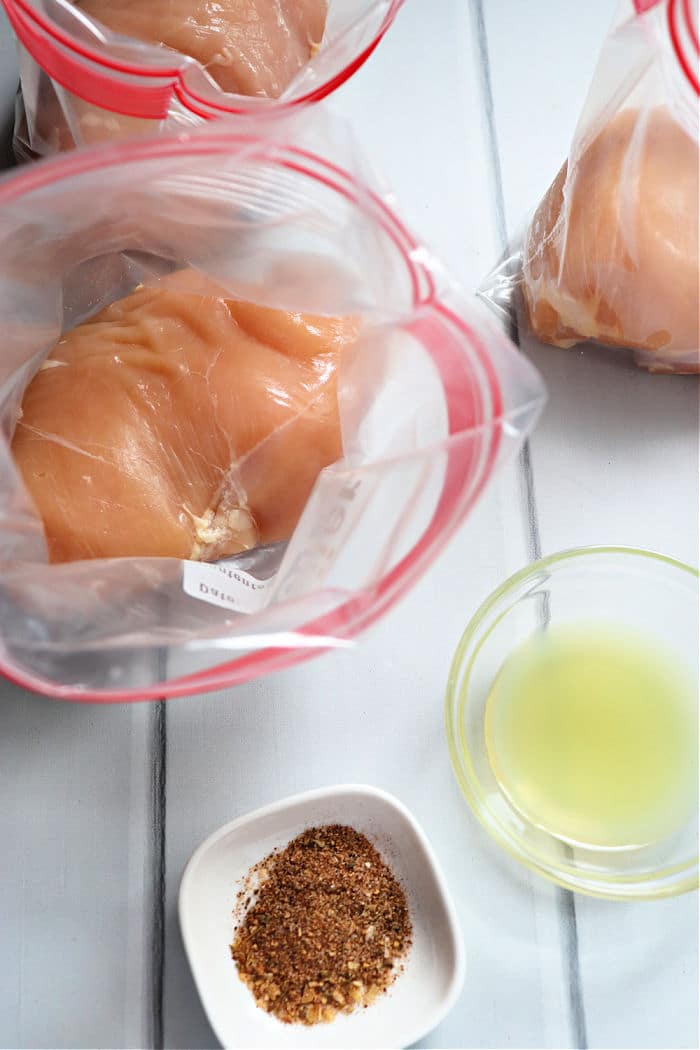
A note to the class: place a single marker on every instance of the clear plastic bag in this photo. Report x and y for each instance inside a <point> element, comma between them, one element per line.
<point>431,401</point>
<point>612,251</point>
<point>82,84</point>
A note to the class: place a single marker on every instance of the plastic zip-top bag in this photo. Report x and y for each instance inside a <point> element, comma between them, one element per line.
<point>94,71</point>
<point>611,253</point>
<point>243,409</point>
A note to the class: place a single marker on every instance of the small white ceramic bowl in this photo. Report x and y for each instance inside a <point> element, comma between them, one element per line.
<point>434,969</point>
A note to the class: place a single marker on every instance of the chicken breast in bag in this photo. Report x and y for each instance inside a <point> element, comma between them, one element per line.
<point>249,47</point>
<point>612,251</point>
<point>178,422</point>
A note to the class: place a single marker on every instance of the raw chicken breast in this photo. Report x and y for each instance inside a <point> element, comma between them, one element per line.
<point>612,252</point>
<point>178,422</point>
<point>249,47</point>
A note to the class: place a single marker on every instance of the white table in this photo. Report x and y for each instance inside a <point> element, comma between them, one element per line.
<point>466,110</point>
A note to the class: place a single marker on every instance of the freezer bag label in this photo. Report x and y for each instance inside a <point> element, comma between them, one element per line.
<point>226,586</point>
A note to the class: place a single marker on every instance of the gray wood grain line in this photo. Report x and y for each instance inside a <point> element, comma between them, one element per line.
<point>567,903</point>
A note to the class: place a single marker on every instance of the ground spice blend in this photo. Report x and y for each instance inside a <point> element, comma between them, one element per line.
<point>325,931</point>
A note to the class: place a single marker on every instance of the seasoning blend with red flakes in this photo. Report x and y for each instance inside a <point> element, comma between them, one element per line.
<point>325,931</point>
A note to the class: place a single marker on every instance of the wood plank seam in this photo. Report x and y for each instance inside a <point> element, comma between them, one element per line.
<point>156,969</point>
<point>566,902</point>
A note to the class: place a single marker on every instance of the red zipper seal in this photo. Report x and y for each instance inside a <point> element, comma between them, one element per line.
<point>683,31</point>
<point>86,72</point>
<point>680,19</point>
<point>444,335</point>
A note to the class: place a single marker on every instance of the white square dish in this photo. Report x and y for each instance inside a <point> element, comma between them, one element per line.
<point>434,968</point>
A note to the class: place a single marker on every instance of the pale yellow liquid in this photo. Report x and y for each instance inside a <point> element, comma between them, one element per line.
<point>593,736</point>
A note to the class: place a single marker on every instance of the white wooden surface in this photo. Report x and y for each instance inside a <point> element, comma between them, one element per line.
<point>466,110</point>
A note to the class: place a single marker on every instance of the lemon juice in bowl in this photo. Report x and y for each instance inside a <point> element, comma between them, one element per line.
<point>591,733</point>
<point>572,720</point>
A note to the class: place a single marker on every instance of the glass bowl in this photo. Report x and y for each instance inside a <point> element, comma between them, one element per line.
<point>638,591</point>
